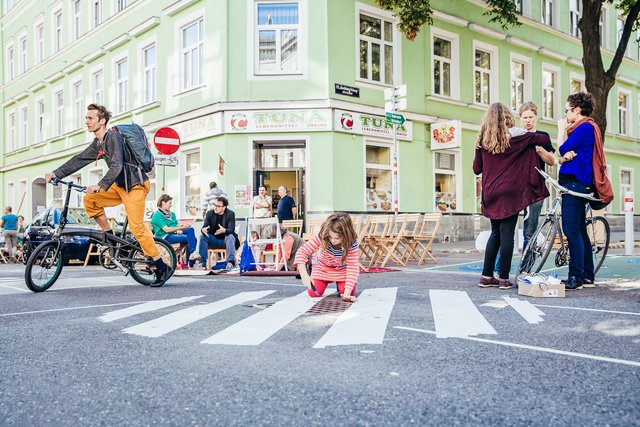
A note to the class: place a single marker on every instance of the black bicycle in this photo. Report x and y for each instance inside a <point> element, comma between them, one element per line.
<point>122,251</point>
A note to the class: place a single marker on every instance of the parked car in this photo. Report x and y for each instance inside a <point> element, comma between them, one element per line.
<point>43,225</point>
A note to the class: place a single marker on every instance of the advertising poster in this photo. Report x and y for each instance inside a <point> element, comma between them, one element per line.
<point>243,196</point>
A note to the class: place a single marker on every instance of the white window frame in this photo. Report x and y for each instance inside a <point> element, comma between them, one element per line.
<point>253,46</point>
<point>456,172</point>
<point>454,62</point>
<point>11,61</point>
<point>574,18</point>
<point>59,111</point>
<point>625,188</point>
<point>556,92</point>
<point>149,72</point>
<point>24,66</point>
<point>604,27</point>
<point>527,81</point>
<point>493,71</point>
<point>396,72</point>
<point>121,86</point>
<point>578,78</point>
<point>638,117</point>
<point>11,194</point>
<point>183,179</point>
<point>185,85</point>
<point>97,92</point>
<point>376,143</point>
<point>57,30</point>
<point>78,104</point>
<point>11,131</point>
<point>76,29</point>
<point>120,5</point>
<point>40,119</point>
<point>552,20</point>
<point>24,126</point>
<point>96,13</point>
<point>626,111</point>
<point>38,39</point>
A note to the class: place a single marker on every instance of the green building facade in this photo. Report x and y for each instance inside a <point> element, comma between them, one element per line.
<point>291,92</point>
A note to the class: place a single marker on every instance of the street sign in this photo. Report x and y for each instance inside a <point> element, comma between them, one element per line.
<point>166,141</point>
<point>398,105</point>
<point>164,160</point>
<point>395,118</point>
<point>395,92</point>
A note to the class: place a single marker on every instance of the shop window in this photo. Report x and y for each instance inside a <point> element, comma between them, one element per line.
<point>192,185</point>
<point>445,182</point>
<point>277,32</point>
<point>376,45</point>
<point>378,168</point>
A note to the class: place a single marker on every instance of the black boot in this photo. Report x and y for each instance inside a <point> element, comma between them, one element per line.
<point>163,272</point>
<point>573,283</point>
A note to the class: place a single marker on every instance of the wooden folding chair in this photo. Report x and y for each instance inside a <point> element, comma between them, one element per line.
<point>361,226</point>
<point>379,228</point>
<point>424,239</point>
<point>388,245</point>
<point>406,244</point>
<point>313,227</point>
<point>293,225</point>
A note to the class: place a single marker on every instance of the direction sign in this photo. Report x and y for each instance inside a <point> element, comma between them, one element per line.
<point>166,140</point>
<point>395,118</point>
<point>398,105</point>
<point>395,92</point>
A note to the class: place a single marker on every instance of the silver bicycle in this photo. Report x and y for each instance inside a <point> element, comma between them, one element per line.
<point>549,235</point>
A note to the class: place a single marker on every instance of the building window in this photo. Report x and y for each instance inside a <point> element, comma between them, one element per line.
<point>547,12</point>
<point>23,54</point>
<point>11,132</point>
<point>122,86</point>
<point>96,12</point>
<point>59,112</point>
<point>626,185</point>
<point>574,18</point>
<point>378,171</point>
<point>445,181</point>
<point>549,93</point>
<point>149,58</point>
<point>98,87</point>
<point>519,6</point>
<point>376,45</point>
<point>40,120</point>
<point>24,127</point>
<point>193,55</point>
<point>78,105</point>
<point>441,67</point>
<point>577,85</point>
<point>76,19</point>
<point>40,43</point>
<point>121,5</point>
<point>11,60</point>
<point>57,32</point>
<point>278,30</point>
<point>482,76</point>
<point>11,194</point>
<point>518,83</point>
<point>192,185</point>
<point>623,113</point>
<point>604,28</point>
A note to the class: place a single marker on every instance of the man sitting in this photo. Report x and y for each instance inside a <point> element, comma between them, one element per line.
<point>218,231</point>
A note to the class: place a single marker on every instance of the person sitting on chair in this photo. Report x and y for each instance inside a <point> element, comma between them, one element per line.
<point>165,226</point>
<point>218,231</point>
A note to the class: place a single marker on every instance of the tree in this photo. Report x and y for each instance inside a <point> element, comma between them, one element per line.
<point>413,14</point>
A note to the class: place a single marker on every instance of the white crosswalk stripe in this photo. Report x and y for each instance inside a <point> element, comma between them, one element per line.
<point>254,330</point>
<point>365,322</point>
<point>455,315</point>
<point>144,308</point>
<point>530,313</point>
<point>176,320</point>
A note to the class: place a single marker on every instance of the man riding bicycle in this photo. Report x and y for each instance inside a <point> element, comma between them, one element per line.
<point>124,183</point>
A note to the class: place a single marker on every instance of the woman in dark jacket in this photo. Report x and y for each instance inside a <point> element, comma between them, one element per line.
<point>506,158</point>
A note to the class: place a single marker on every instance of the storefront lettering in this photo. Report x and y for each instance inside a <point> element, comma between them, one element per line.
<point>307,117</point>
<point>379,123</point>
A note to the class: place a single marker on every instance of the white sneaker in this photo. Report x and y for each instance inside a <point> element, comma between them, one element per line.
<point>195,256</point>
<point>197,266</point>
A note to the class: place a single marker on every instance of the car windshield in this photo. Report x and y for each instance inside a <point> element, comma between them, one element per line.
<point>52,217</point>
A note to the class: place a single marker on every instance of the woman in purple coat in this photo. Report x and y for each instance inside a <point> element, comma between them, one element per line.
<point>506,158</point>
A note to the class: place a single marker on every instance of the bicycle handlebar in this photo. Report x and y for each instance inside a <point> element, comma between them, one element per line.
<point>565,190</point>
<point>56,181</point>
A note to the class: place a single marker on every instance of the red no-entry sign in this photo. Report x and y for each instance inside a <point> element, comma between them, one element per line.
<point>166,140</point>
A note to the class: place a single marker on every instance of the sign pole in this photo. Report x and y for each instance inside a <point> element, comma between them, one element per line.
<point>395,172</point>
<point>164,176</point>
<point>397,101</point>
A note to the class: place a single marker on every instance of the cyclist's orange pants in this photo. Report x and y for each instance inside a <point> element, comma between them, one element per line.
<point>133,202</point>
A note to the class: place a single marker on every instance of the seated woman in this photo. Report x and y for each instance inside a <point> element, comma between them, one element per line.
<point>165,225</point>
<point>291,242</point>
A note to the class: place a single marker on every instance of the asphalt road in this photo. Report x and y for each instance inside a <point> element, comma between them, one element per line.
<point>98,349</point>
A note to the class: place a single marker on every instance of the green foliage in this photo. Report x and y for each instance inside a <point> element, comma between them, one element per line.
<point>413,14</point>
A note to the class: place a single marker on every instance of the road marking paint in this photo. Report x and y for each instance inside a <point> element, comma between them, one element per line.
<point>455,315</point>
<point>533,347</point>
<point>589,309</point>
<point>452,265</point>
<point>256,329</point>
<point>13,287</point>
<point>365,322</point>
<point>257,282</point>
<point>70,308</point>
<point>176,320</point>
<point>144,308</point>
<point>526,310</point>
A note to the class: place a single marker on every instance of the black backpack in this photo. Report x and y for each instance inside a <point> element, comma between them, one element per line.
<point>136,141</point>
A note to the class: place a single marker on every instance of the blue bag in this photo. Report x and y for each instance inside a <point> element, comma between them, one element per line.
<point>247,261</point>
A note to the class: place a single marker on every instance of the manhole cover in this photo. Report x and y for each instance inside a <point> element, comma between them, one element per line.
<point>329,305</point>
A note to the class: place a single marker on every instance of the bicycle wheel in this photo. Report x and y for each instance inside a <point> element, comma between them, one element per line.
<point>141,269</point>
<point>538,248</point>
<point>44,266</point>
<point>599,234</point>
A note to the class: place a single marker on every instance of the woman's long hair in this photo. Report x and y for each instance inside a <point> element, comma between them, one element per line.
<point>341,224</point>
<point>494,133</point>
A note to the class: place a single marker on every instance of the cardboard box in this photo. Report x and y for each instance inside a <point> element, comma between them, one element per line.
<point>541,290</point>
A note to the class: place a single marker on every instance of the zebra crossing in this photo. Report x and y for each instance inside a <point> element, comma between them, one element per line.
<point>364,322</point>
